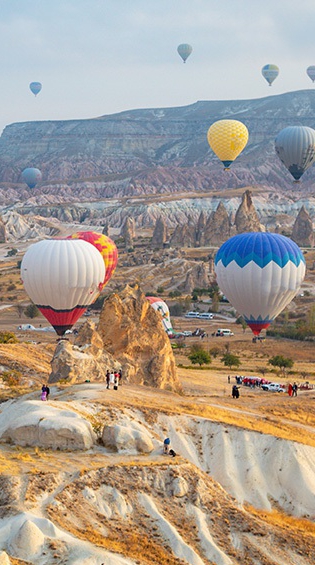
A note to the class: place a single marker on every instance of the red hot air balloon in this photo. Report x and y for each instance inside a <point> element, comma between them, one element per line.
<point>105,246</point>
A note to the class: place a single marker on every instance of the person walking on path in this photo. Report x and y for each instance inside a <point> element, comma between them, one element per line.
<point>294,389</point>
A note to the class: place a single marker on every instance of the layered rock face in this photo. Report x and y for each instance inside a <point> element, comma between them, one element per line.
<point>128,232</point>
<point>246,218</point>
<point>132,331</point>
<point>160,234</point>
<point>303,232</point>
<point>197,277</point>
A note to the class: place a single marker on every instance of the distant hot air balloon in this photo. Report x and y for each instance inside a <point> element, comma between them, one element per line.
<point>311,72</point>
<point>62,277</point>
<point>160,306</point>
<point>184,50</point>
<point>227,138</point>
<point>31,176</point>
<point>295,147</point>
<point>105,246</point>
<point>259,273</point>
<point>270,73</point>
<point>35,87</point>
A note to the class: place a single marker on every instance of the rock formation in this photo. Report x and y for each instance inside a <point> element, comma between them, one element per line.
<point>217,228</point>
<point>86,359</point>
<point>119,438</point>
<point>160,234</point>
<point>196,278</point>
<point>200,229</point>
<point>131,331</point>
<point>303,233</point>
<point>128,232</point>
<point>3,237</point>
<point>105,230</point>
<point>246,218</point>
<point>183,236</point>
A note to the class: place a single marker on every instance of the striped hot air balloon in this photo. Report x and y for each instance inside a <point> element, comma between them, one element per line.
<point>270,73</point>
<point>160,306</point>
<point>105,246</point>
<point>295,147</point>
<point>259,273</point>
<point>62,278</point>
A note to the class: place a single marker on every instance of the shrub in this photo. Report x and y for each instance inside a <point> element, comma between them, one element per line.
<point>8,337</point>
<point>198,356</point>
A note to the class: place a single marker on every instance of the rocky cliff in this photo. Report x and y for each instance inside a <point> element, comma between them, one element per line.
<point>303,232</point>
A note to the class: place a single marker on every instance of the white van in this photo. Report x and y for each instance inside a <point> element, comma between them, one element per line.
<point>223,332</point>
<point>205,316</point>
<point>192,315</point>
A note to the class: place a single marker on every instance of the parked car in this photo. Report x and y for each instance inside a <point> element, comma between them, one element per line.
<point>187,333</point>
<point>273,387</point>
<point>205,316</point>
<point>192,315</point>
<point>224,332</point>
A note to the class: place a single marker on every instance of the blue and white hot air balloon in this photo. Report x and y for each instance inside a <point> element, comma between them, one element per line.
<point>260,273</point>
<point>270,73</point>
<point>35,87</point>
<point>31,176</point>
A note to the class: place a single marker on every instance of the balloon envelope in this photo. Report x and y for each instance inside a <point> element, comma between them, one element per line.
<point>35,87</point>
<point>184,50</point>
<point>295,147</point>
<point>270,73</point>
<point>105,246</point>
<point>62,278</point>
<point>31,176</point>
<point>227,138</point>
<point>160,306</point>
<point>311,72</point>
<point>259,273</point>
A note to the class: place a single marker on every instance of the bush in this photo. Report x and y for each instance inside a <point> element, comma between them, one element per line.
<point>31,311</point>
<point>11,287</point>
<point>11,378</point>
<point>8,337</point>
<point>176,309</point>
<point>198,356</point>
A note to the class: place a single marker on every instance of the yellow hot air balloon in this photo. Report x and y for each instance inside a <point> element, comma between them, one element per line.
<point>227,138</point>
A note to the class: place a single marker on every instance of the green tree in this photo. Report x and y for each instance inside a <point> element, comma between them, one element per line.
<point>198,356</point>
<point>12,252</point>
<point>282,362</point>
<point>231,360</point>
<point>31,311</point>
<point>8,337</point>
<point>160,290</point>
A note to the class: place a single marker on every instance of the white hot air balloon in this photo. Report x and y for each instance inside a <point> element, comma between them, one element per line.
<point>259,273</point>
<point>62,277</point>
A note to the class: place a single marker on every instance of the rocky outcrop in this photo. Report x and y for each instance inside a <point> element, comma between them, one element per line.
<point>15,227</point>
<point>128,232</point>
<point>122,438</point>
<point>3,236</point>
<point>160,234</point>
<point>184,235</point>
<point>132,332</point>
<point>217,228</point>
<point>200,229</point>
<point>198,277</point>
<point>303,232</point>
<point>246,218</point>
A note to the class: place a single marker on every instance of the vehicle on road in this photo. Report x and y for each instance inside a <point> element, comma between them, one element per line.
<point>187,333</point>
<point>205,316</point>
<point>192,315</point>
<point>273,387</point>
<point>224,332</point>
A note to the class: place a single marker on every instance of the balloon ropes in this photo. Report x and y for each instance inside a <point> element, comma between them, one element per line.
<point>160,306</point>
<point>35,87</point>
<point>295,147</point>
<point>62,277</point>
<point>259,273</point>
<point>311,72</point>
<point>184,50</point>
<point>227,139</point>
<point>105,246</point>
<point>31,176</point>
<point>270,73</point>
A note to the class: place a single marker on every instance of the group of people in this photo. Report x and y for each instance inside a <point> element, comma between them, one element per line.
<point>113,379</point>
<point>292,389</point>
<point>45,392</point>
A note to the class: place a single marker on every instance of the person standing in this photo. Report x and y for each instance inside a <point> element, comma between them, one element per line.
<point>107,378</point>
<point>294,389</point>
<point>111,379</point>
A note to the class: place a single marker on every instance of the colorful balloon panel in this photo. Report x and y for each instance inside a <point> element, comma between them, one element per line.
<point>259,273</point>
<point>270,73</point>
<point>160,306</point>
<point>184,50</point>
<point>35,87</point>
<point>31,176</point>
<point>227,138</point>
<point>62,278</point>
<point>295,147</point>
<point>105,246</point>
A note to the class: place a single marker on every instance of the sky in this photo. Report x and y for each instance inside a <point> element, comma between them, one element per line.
<point>97,57</point>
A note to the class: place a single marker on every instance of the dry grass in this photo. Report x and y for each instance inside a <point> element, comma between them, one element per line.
<point>277,518</point>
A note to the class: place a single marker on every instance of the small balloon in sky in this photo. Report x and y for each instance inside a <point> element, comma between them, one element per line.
<point>227,138</point>
<point>270,73</point>
<point>35,87</point>
<point>31,176</point>
<point>184,50</point>
<point>311,72</point>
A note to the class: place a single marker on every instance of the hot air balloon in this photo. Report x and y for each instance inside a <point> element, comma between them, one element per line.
<point>259,273</point>
<point>184,50</point>
<point>62,277</point>
<point>270,73</point>
<point>160,306</point>
<point>227,138</point>
<point>31,176</point>
<point>311,72</point>
<point>105,246</point>
<point>295,147</point>
<point>35,87</point>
